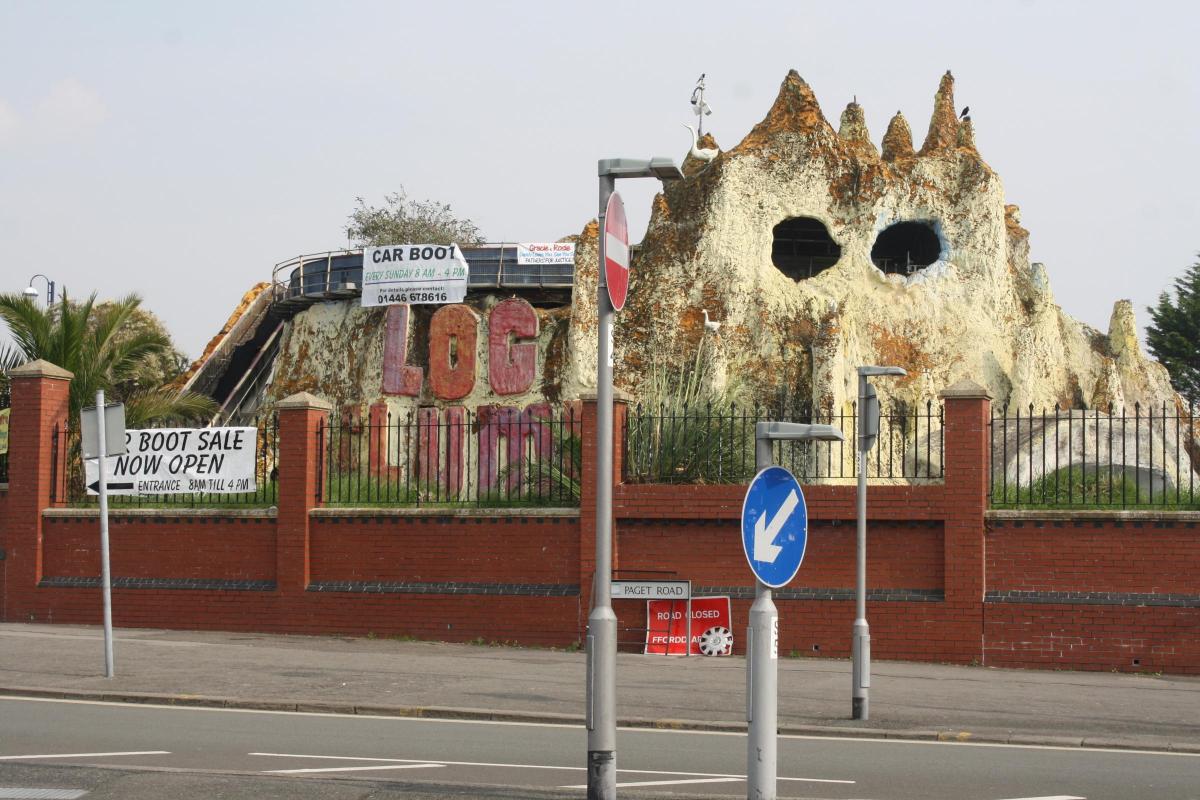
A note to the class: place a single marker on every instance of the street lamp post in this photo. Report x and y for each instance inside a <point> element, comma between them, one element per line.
<point>762,666</point>
<point>30,292</point>
<point>601,711</point>
<point>860,646</point>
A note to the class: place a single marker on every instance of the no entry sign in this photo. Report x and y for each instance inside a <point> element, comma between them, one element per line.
<point>615,251</point>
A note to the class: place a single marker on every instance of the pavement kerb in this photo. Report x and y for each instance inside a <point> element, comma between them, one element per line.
<point>538,717</point>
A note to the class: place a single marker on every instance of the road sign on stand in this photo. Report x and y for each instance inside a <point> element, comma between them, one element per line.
<point>774,526</point>
<point>615,248</point>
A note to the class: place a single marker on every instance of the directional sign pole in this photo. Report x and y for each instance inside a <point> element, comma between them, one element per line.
<point>762,677</point>
<point>105,575</point>
<point>602,622</point>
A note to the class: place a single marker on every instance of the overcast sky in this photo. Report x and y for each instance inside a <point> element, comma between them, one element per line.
<point>181,149</point>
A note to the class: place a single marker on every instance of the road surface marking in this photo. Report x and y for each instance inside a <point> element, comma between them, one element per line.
<point>662,783</point>
<point>722,775</point>
<point>353,769</point>
<point>576,725</point>
<point>7,793</point>
<point>88,755</point>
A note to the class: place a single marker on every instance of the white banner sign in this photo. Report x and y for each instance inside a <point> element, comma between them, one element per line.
<point>549,253</point>
<point>413,273</point>
<point>179,460</point>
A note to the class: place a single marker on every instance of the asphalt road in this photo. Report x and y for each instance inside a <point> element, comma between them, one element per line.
<point>136,751</point>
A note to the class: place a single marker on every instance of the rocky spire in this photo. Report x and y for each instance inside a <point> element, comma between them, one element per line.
<point>897,142</point>
<point>795,110</point>
<point>1122,331</point>
<point>966,134</point>
<point>943,126</point>
<point>853,129</point>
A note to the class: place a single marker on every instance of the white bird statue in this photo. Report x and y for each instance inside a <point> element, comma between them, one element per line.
<point>710,324</point>
<point>702,153</point>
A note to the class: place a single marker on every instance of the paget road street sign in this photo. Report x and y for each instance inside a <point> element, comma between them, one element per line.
<point>651,590</point>
<point>615,244</point>
<point>774,526</point>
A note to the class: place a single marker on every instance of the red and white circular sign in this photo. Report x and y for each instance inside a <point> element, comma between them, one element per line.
<point>615,251</point>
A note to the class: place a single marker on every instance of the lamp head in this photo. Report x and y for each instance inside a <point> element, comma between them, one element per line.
<point>866,372</point>
<point>29,291</point>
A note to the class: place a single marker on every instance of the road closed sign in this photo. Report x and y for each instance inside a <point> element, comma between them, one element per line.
<point>711,631</point>
<point>179,461</point>
<point>417,274</point>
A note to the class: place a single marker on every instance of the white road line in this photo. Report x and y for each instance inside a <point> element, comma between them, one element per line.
<point>577,725</point>
<point>721,775</point>
<point>353,769</point>
<point>662,783</point>
<point>88,755</point>
<point>8,793</point>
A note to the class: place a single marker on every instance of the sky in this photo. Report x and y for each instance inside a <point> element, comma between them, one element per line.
<point>180,150</point>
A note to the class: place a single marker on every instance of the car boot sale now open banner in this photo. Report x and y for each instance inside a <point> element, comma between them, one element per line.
<point>178,461</point>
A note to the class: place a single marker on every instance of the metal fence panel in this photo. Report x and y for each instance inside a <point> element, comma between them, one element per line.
<point>708,444</point>
<point>1092,458</point>
<point>453,457</point>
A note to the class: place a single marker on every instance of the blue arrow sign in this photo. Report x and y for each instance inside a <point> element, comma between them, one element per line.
<point>774,526</point>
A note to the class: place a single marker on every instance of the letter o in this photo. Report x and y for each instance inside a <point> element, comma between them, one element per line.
<point>453,379</point>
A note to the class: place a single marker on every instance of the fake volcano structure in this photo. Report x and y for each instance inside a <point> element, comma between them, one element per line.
<point>819,252</point>
<point>785,262</point>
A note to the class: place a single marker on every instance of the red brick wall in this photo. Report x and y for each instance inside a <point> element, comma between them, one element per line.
<point>218,548</point>
<point>899,555</point>
<point>1093,593</point>
<point>942,587</point>
<point>1101,556</point>
<point>478,549</point>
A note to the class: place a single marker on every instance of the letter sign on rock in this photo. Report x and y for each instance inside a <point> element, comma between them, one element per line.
<point>512,367</point>
<point>398,377</point>
<point>453,337</point>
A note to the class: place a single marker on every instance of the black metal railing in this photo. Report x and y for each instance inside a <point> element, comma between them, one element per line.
<point>67,479</point>
<point>1082,458</point>
<point>454,457</point>
<point>716,445</point>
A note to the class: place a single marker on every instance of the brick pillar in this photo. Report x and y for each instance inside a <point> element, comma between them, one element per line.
<point>299,454</point>
<point>968,408</point>
<point>40,401</point>
<point>587,493</point>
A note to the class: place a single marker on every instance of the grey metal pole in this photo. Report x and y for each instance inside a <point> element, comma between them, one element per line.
<point>602,622</point>
<point>105,575</point>
<point>861,641</point>
<point>762,677</point>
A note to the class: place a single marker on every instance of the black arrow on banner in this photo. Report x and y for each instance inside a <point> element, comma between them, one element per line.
<point>94,486</point>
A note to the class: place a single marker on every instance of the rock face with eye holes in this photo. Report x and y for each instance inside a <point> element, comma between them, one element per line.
<point>819,252</point>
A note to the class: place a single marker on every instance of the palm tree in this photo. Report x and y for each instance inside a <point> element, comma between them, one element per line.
<point>100,348</point>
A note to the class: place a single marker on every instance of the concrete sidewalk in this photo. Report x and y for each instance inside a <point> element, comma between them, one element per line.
<point>381,676</point>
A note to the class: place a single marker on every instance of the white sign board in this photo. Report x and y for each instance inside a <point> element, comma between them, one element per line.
<point>546,253</point>
<point>178,461</point>
<point>414,274</point>
<point>651,590</point>
<point>114,430</point>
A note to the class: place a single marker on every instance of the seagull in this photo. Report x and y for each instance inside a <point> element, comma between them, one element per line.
<point>710,324</point>
<point>966,110</point>
<point>702,153</point>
